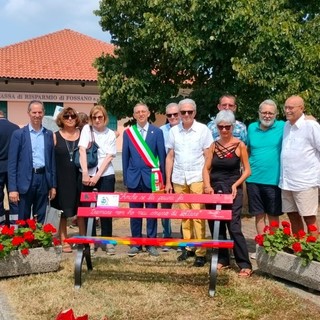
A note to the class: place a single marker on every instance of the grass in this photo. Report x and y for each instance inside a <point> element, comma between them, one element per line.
<point>143,287</point>
<point>151,288</point>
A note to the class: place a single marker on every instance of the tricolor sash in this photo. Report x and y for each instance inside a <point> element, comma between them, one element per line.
<point>148,157</point>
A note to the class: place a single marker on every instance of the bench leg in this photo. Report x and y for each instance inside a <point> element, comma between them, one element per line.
<point>213,273</point>
<point>83,252</point>
<point>214,259</point>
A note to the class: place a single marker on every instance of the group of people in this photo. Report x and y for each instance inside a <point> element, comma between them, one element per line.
<point>220,157</point>
<point>280,162</point>
<point>41,168</point>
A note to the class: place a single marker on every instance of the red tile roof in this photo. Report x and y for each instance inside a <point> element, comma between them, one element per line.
<point>62,55</point>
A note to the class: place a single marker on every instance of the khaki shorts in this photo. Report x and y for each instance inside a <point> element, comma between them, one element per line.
<point>304,202</point>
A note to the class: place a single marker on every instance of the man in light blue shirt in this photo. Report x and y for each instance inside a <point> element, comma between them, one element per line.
<point>31,166</point>
<point>228,102</point>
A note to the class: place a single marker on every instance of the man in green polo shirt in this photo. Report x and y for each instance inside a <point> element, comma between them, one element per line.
<point>264,146</point>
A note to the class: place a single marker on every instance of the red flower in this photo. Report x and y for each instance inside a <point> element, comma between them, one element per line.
<point>301,234</point>
<point>28,236</point>
<point>274,224</point>
<point>297,247</point>
<point>287,231</point>
<point>56,242</point>
<point>16,241</point>
<point>259,239</point>
<point>271,233</point>
<point>8,231</point>
<point>311,239</point>
<point>266,229</point>
<point>312,228</point>
<point>32,224</point>
<point>21,222</point>
<point>1,247</point>
<point>49,228</point>
<point>25,251</point>
<point>285,224</point>
<point>229,155</point>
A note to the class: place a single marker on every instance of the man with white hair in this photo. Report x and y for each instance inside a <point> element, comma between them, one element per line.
<point>188,145</point>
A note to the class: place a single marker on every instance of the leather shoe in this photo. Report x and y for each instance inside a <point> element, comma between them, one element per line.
<point>200,261</point>
<point>185,255</point>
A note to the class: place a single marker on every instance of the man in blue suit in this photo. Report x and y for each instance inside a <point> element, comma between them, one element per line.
<point>138,168</point>
<point>6,130</point>
<point>31,166</point>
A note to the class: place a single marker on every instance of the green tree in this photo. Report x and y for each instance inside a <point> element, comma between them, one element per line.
<point>254,49</point>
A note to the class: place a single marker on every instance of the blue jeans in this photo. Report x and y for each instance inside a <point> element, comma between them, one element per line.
<point>166,223</point>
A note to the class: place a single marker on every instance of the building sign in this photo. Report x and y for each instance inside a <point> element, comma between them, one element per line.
<point>48,97</point>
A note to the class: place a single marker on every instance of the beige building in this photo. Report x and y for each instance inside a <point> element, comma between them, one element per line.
<point>56,68</point>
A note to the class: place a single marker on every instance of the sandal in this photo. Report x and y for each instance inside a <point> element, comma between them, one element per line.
<point>220,267</point>
<point>245,273</point>
<point>66,248</point>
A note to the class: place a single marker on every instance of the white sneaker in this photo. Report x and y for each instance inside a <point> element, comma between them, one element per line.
<point>110,250</point>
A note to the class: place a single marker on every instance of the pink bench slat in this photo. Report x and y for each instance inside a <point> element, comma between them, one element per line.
<point>154,213</point>
<point>162,197</point>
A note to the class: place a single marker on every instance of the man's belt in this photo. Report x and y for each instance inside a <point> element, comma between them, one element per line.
<point>39,170</point>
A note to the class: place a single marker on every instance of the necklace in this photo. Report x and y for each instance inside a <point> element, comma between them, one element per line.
<point>70,147</point>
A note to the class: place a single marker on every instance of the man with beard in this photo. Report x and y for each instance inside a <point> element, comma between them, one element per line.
<point>264,147</point>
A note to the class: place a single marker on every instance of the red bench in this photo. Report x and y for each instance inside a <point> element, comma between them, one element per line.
<point>83,242</point>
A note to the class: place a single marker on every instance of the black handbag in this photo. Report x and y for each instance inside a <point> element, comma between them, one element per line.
<point>92,154</point>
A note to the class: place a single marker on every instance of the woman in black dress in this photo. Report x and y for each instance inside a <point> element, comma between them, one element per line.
<point>225,169</point>
<point>66,141</point>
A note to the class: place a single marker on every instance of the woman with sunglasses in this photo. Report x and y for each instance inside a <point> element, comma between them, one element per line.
<point>66,141</point>
<point>101,177</point>
<point>224,171</point>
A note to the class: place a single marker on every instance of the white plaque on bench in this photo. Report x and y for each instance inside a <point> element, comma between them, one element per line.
<point>108,201</point>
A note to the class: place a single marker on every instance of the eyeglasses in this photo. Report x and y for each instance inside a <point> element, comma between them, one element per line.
<point>267,113</point>
<point>189,112</point>
<point>68,116</point>
<point>227,127</point>
<point>97,118</point>
<point>170,115</point>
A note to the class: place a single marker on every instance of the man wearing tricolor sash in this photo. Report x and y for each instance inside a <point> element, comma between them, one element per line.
<point>143,165</point>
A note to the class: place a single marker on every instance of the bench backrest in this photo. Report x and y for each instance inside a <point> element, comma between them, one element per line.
<point>123,212</point>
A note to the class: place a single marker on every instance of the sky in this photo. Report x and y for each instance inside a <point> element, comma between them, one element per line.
<point>22,20</point>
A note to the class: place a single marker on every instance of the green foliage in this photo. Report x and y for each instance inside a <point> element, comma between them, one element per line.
<point>253,49</point>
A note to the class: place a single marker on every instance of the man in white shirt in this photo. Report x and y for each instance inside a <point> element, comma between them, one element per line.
<point>188,145</point>
<point>300,166</point>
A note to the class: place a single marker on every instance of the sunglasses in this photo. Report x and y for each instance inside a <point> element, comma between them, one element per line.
<point>170,115</point>
<point>189,112</point>
<point>97,118</point>
<point>227,127</point>
<point>68,116</point>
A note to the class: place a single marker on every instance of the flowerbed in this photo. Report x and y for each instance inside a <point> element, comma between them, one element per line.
<point>28,234</point>
<point>304,245</point>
